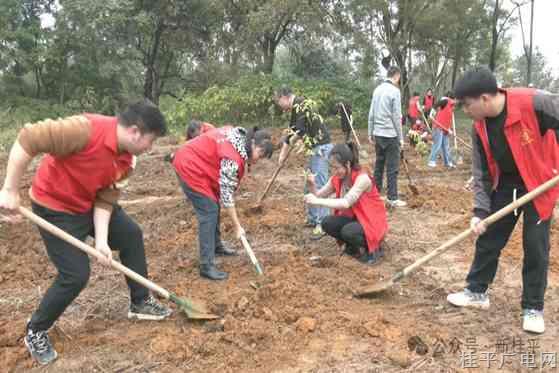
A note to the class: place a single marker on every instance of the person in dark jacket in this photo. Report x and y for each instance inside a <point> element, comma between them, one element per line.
<point>307,125</point>
<point>514,151</point>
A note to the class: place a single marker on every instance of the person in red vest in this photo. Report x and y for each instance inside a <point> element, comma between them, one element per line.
<point>514,151</point>
<point>196,128</point>
<point>428,102</point>
<point>76,188</point>
<point>442,129</point>
<point>413,109</point>
<point>359,220</point>
<point>210,168</point>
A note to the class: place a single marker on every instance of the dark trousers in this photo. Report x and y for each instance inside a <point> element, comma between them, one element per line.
<point>345,229</point>
<point>207,213</point>
<point>73,264</point>
<point>535,242</point>
<point>387,151</point>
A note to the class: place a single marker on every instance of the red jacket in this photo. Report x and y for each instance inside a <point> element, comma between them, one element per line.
<point>412,107</point>
<point>443,119</point>
<point>536,156</point>
<point>369,210</point>
<point>70,184</point>
<point>198,161</point>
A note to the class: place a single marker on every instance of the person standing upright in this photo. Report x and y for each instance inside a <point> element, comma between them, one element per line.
<point>515,150</point>
<point>385,132</point>
<point>307,125</point>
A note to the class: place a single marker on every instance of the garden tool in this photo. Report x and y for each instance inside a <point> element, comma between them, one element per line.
<point>411,185</point>
<point>251,255</point>
<point>187,306</point>
<point>362,153</point>
<point>385,285</point>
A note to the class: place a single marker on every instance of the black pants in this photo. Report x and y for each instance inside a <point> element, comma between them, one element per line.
<point>387,151</point>
<point>207,212</point>
<point>73,264</point>
<point>345,229</point>
<point>535,242</point>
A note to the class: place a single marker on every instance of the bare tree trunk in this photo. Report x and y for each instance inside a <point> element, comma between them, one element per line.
<point>269,51</point>
<point>494,37</point>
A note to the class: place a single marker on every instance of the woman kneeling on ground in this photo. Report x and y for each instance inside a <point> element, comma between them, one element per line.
<point>359,220</point>
<point>210,168</point>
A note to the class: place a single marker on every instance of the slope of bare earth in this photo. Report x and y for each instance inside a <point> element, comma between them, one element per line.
<point>301,316</point>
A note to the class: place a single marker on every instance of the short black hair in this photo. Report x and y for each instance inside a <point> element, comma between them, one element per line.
<point>146,116</point>
<point>392,70</point>
<point>193,127</point>
<point>283,91</point>
<point>476,82</point>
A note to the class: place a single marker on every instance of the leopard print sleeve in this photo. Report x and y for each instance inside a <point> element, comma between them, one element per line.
<point>228,181</point>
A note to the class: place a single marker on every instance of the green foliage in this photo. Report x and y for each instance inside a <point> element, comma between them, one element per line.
<point>249,100</point>
<point>15,111</point>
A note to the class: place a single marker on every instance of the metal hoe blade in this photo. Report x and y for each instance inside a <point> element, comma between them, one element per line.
<point>192,309</point>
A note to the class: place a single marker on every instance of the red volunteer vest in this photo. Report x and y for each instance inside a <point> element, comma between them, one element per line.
<point>443,119</point>
<point>428,104</point>
<point>70,184</point>
<point>536,157</point>
<point>369,211</point>
<point>198,161</point>
<point>412,107</point>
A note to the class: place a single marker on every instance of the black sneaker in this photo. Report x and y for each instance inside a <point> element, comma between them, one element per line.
<point>148,309</point>
<point>39,346</point>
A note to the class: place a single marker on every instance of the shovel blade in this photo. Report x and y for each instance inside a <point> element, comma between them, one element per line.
<point>256,209</point>
<point>192,309</point>
<point>194,315</point>
<point>376,289</point>
<point>413,189</point>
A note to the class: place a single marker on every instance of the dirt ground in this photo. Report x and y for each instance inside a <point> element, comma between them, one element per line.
<point>301,316</point>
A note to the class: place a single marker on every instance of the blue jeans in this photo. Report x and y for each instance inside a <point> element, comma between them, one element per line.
<point>440,142</point>
<point>318,164</point>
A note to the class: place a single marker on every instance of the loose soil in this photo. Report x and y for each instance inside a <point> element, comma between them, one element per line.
<point>300,316</point>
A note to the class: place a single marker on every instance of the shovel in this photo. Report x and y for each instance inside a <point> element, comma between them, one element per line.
<point>411,185</point>
<point>457,156</point>
<point>362,153</point>
<point>251,255</point>
<point>190,308</point>
<point>258,206</point>
<point>383,286</point>
<point>426,121</point>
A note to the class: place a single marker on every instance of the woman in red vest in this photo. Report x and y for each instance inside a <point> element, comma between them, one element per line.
<point>442,129</point>
<point>75,188</point>
<point>413,108</point>
<point>209,168</point>
<point>428,102</point>
<point>514,151</point>
<point>359,220</point>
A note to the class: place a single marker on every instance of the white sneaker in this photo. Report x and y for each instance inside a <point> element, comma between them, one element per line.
<point>396,203</point>
<point>431,164</point>
<point>467,298</point>
<point>532,321</point>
